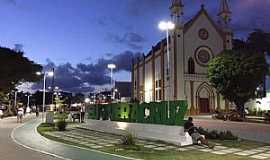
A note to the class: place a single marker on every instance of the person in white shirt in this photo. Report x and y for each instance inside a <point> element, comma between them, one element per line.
<point>20,112</point>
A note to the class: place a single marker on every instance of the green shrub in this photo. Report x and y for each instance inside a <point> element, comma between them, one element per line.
<point>47,125</point>
<point>60,115</point>
<point>214,134</point>
<point>61,125</point>
<point>128,140</point>
<point>230,136</point>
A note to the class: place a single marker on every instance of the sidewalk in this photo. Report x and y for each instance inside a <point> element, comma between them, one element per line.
<point>12,151</point>
<point>28,136</point>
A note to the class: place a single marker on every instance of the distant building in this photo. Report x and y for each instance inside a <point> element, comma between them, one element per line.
<point>123,91</point>
<point>192,45</point>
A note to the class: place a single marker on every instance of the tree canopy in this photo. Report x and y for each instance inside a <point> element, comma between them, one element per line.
<point>236,75</point>
<point>15,69</point>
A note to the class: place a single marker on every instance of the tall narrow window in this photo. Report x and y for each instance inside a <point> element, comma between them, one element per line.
<point>191,66</point>
<point>158,90</point>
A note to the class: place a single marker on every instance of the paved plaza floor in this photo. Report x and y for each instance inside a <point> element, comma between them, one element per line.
<point>91,144</point>
<point>98,140</point>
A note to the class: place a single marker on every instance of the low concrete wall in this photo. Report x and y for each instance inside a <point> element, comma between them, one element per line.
<point>170,134</point>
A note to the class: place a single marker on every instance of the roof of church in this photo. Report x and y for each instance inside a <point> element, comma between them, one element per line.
<point>188,24</point>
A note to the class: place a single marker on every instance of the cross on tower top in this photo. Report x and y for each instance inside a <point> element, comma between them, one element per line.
<point>224,11</point>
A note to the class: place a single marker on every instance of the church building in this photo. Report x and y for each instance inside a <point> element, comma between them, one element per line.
<point>183,74</point>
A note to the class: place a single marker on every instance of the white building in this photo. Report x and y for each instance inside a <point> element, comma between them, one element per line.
<point>192,45</point>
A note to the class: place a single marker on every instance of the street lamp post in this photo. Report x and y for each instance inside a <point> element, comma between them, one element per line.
<point>167,26</point>
<point>112,67</point>
<point>15,99</point>
<point>50,74</point>
<point>28,100</point>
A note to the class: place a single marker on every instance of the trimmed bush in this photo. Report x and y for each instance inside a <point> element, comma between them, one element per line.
<point>128,140</point>
<point>61,125</point>
<point>47,125</point>
<point>214,134</point>
<point>60,115</point>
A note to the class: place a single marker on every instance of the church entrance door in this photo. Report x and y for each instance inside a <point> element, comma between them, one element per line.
<point>204,105</point>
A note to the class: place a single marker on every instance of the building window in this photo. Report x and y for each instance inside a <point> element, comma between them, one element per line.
<point>191,66</point>
<point>203,55</point>
<point>135,85</point>
<point>158,90</point>
<point>167,74</point>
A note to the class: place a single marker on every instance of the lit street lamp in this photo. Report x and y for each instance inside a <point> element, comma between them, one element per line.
<point>87,100</point>
<point>49,74</point>
<point>167,26</point>
<point>28,99</point>
<point>112,67</point>
<point>15,99</point>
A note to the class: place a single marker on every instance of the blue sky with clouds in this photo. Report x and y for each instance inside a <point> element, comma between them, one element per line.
<point>87,31</point>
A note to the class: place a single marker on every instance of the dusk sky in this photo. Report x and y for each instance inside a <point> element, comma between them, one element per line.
<point>91,33</point>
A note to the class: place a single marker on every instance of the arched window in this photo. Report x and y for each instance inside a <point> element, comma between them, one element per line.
<point>191,66</point>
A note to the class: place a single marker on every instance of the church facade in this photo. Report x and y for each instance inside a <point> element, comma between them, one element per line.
<point>183,74</point>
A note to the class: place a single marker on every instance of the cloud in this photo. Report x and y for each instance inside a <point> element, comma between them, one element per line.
<point>86,77</point>
<point>133,40</point>
<point>250,15</point>
<point>11,2</point>
<point>108,22</point>
<point>139,7</point>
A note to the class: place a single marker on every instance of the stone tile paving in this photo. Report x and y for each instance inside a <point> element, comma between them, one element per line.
<point>97,140</point>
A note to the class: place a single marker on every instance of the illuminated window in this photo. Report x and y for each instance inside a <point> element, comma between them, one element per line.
<point>158,90</point>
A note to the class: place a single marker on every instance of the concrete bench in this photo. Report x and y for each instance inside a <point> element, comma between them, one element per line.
<point>169,134</point>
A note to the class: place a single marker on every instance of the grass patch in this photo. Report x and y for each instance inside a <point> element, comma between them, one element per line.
<point>45,127</point>
<point>138,151</point>
<point>150,154</point>
<point>242,144</point>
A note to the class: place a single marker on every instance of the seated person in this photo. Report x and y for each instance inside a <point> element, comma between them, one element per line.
<point>1,114</point>
<point>193,132</point>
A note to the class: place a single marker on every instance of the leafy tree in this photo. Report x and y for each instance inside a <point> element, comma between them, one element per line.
<point>236,74</point>
<point>15,69</point>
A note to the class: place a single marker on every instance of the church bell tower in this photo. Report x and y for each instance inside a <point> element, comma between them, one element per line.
<point>224,21</point>
<point>177,11</point>
<point>177,48</point>
<point>224,12</point>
